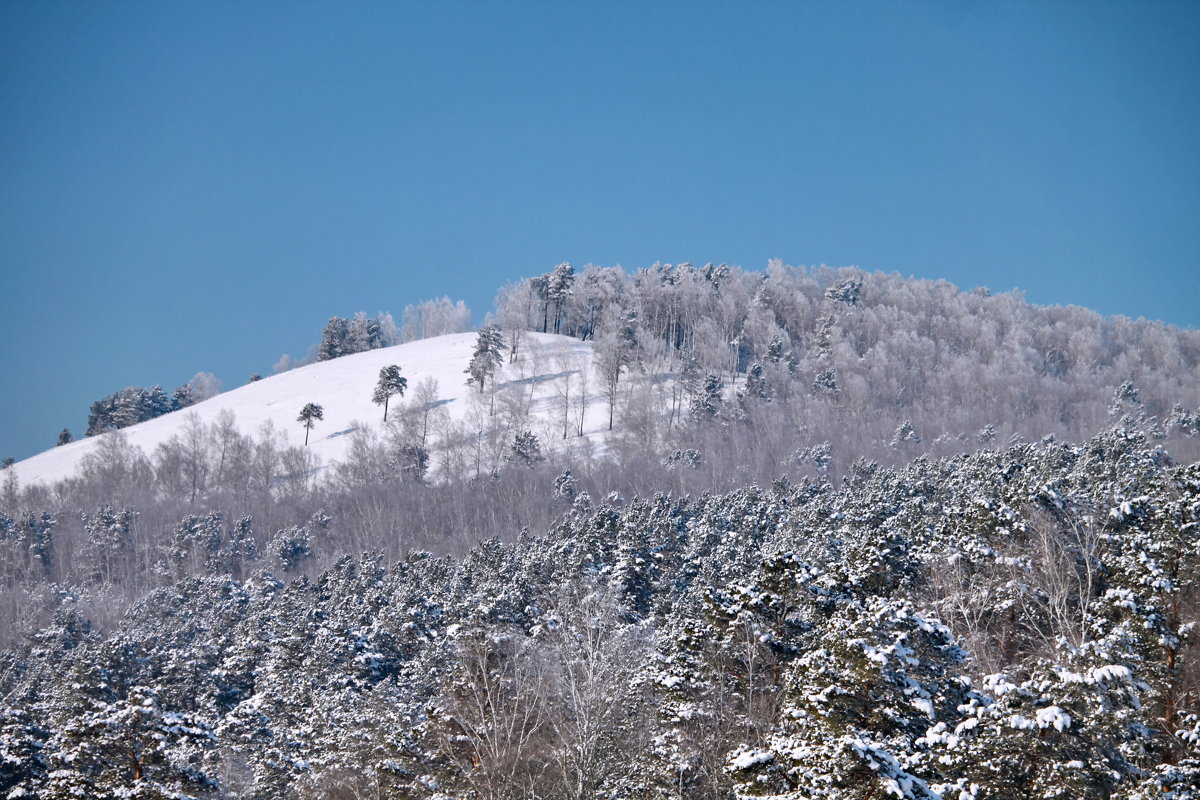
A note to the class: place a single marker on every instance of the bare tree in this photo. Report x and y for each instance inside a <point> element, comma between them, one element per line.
<point>568,366</point>
<point>491,719</point>
<point>421,416</point>
<point>593,654</point>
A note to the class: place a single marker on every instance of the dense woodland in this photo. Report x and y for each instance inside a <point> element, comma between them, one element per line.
<point>850,536</point>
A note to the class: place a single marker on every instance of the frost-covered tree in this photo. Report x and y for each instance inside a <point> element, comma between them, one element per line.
<point>566,486</point>
<point>109,541</point>
<point>129,406</point>
<point>182,396</point>
<point>203,385</point>
<point>905,432</point>
<point>334,340</point>
<point>130,746</point>
<point>846,291</point>
<point>707,400</point>
<point>487,356</point>
<point>559,285</point>
<point>616,350</point>
<point>292,546</point>
<point>525,450</point>
<point>514,313</point>
<point>434,318</point>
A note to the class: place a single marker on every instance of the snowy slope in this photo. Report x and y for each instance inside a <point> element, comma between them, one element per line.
<point>343,386</point>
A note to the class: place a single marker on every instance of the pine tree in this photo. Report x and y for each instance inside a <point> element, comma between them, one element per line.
<point>706,402</point>
<point>488,356</point>
<point>526,449</point>
<point>905,433</point>
<point>10,489</point>
<point>109,541</point>
<point>390,383</point>
<point>566,486</point>
<point>182,397</point>
<point>558,290</point>
<point>334,339</point>
<point>64,437</point>
<point>240,547</point>
<point>308,417</point>
<point>291,546</point>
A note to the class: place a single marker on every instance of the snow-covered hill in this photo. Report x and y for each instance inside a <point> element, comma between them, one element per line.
<point>343,387</point>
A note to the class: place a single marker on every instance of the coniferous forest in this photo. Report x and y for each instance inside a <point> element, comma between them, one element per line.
<point>850,536</point>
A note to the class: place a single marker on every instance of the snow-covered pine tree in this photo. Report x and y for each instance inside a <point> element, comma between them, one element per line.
<point>487,357</point>
<point>334,339</point>
<point>558,291</point>
<point>526,450</point>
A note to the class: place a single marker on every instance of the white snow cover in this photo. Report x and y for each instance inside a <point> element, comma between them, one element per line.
<point>343,387</point>
<point>750,758</point>
<point>1053,716</point>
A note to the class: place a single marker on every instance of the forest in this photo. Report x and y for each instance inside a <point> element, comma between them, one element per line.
<point>847,535</point>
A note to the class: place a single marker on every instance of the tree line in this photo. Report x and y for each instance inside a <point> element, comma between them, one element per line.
<point>135,404</point>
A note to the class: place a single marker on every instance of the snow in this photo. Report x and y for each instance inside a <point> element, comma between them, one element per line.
<point>1053,716</point>
<point>343,387</point>
<point>751,758</point>
<point>1111,672</point>
<point>1021,722</point>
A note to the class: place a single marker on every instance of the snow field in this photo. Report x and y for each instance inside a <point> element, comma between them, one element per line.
<point>546,366</point>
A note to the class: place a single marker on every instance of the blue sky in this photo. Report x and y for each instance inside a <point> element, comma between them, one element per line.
<point>199,186</point>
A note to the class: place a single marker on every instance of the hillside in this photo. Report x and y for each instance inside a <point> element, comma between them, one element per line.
<point>343,388</point>
<point>711,534</point>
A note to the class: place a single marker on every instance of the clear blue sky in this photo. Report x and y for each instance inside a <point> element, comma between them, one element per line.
<point>199,186</point>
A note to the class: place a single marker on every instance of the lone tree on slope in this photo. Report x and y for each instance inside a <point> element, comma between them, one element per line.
<point>308,417</point>
<point>487,357</point>
<point>391,382</point>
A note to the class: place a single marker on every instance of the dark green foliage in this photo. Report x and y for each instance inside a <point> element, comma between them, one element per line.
<point>390,384</point>
<point>309,416</point>
<point>333,340</point>
<point>358,334</point>
<point>846,291</point>
<point>132,405</point>
<point>183,396</point>
<point>526,450</point>
<point>291,546</point>
<point>707,400</point>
